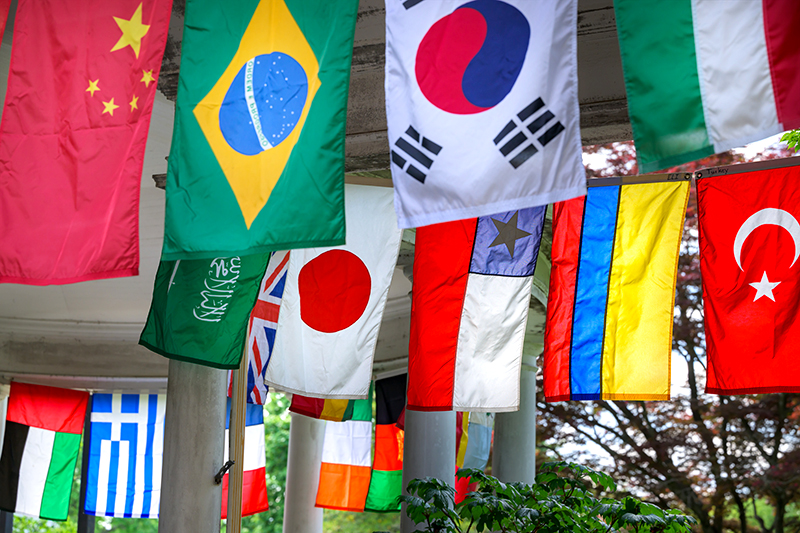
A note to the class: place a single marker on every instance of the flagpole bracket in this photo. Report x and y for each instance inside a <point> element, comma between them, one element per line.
<point>222,471</point>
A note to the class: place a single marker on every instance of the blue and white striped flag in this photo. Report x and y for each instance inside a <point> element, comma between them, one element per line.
<point>125,454</point>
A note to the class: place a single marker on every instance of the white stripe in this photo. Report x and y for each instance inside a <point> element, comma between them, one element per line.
<point>250,96</point>
<point>348,443</point>
<point>33,469</point>
<point>102,477</point>
<point>122,478</point>
<point>141,443</point>
<point>489,352</point>
<point>158,456</point>
<point>735,79</point>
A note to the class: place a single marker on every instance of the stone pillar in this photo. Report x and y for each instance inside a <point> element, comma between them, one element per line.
<point>302,475</point>
<point>194,434</point>
<point>514,453</point>
<point>429,450</point>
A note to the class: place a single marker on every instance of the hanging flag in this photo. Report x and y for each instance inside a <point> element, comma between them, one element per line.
<point>345,471</point>
<point>72,140</point>
<point>730,72</point>
<point>749,249</point>
<point>462,437</point>
<point>387,466</point>
<point>40,449</point>
<point>322,409</point>
<point>612,286</point>
<point>125,455</point>
<point>263,325</point>
<point>200,308</point>
<point>472,287</point>
<point>4,7</point>
<point>254,480</point>
<point>476,454</point>
<point>257,158</point>
<point>333,303</point>
<point>482,107</point>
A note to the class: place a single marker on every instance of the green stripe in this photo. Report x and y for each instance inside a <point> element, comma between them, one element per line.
<point>362,409</point>
<point>660,64</point>
<point>384,488</point>
<point>57,488</point>
<point>348,412</point>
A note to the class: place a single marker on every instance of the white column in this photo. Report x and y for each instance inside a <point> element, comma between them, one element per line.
<point>302,475</point>
<point>194,435</point>
<point>429,450</point>
<point>514,452</point>
<point>5,389</point>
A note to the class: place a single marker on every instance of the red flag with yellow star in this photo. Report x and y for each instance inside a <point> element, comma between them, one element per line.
<point>73,134</point>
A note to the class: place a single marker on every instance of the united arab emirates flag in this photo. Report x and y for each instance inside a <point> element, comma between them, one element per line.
<point>257,158</point>
<point>40,449</point>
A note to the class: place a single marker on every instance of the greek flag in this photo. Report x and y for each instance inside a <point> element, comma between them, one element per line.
<point>125,453</point>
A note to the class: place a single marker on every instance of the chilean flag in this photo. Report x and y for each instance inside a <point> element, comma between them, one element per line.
<point>254,482</point>
<point>472,287</point>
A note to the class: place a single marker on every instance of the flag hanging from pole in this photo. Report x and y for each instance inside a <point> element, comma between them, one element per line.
<point>254,477</point>
<point>386,483</point>
<point>72,140</point>
<point>322,408</point>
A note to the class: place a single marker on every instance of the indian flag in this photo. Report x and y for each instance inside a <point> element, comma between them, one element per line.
<point>40,449</point>
<point>346,463</point>
<point>705,76</point>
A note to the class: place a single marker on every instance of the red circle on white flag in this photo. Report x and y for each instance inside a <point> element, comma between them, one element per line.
<point>334,290</point>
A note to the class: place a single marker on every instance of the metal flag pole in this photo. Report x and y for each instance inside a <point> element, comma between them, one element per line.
<point>85,521</point>
<point>236,442</point>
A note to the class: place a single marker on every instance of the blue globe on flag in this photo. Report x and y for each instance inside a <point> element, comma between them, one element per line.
<point>264,103</point>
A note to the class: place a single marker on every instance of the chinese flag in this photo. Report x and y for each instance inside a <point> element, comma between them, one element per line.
<point>73,134</point>
<point>750,263</point>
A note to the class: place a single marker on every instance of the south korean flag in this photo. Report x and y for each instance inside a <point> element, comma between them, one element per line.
<point>482,106</point>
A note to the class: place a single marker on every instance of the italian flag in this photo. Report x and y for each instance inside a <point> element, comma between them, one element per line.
<point>704,76</point>
<point>40,449</point>
<point>346,463</point>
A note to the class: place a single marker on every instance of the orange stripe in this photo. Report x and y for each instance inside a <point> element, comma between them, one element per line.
<point>343,487</point>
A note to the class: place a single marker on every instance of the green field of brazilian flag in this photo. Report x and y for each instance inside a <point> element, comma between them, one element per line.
<point>257,157</point>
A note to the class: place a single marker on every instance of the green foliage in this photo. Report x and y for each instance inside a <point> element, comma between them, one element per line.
<point>344,521</point>
<point>792,139</point>
<point>562,499</point>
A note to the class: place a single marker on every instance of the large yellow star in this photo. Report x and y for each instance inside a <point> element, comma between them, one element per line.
<point>109,107</point>
<point>93,86</point>
<point>134,103</point>
<point>132,31</point>
<point>147,77</point>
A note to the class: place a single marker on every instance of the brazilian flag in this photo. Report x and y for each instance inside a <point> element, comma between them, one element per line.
<point>257,157</point>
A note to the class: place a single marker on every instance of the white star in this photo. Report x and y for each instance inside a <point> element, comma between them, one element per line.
<point>764,288</point>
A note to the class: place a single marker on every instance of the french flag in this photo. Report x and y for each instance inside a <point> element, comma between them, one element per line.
<point>254,486</point>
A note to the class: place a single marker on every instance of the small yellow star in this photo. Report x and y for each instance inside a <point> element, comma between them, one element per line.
<point>132,31</point>
<point>147,77</point>
<point>109,107</point>
<point>93,86</point>
<point>134,103</point>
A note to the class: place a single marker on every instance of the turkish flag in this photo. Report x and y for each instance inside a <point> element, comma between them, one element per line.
<point>72,140</point>
<point>750,263</point>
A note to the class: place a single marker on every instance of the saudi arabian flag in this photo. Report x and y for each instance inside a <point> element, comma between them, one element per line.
<point>257,158</point>
<point>40,449</point>
<point>705,76</point>
<point>200,309</point>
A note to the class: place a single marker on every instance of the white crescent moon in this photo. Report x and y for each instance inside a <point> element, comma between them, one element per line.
<point>777,217</point>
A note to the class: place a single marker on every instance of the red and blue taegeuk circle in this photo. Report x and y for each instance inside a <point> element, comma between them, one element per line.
<point>470,59</point>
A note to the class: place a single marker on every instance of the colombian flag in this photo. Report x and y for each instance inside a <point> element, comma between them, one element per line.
<point>612,287</point>
<point>257,159</point>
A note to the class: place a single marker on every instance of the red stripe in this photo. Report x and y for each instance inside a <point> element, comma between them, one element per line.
<point>441,268</point>
<point>277,272</point>
<point>567,222</point>
<point>266,311</point>
<point>254,492</point>
<point>303,405</point>
<point>781,23</point>
<point>60,410</point>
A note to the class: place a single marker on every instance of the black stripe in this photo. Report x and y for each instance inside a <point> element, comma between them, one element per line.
<point>431,146</point>
<point>390,399</point>
<point>523,156</point>
<point>508,129</point>
<point>515,141</point>
<point>411,132</point>
<point>532,108</point>
<point>408,4</point>
<point>407,147</point>
<point>10,463</point>
<point>398,160</point>
<point>541,120</point>
<point>415,173</point>
<point>550,134</point>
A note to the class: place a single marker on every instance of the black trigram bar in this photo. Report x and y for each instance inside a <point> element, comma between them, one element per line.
<point>408,4</point>
<point>415,153</point>
<point>509,142</point>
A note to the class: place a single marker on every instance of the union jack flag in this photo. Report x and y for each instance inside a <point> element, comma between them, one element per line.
<point>263,325</point>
